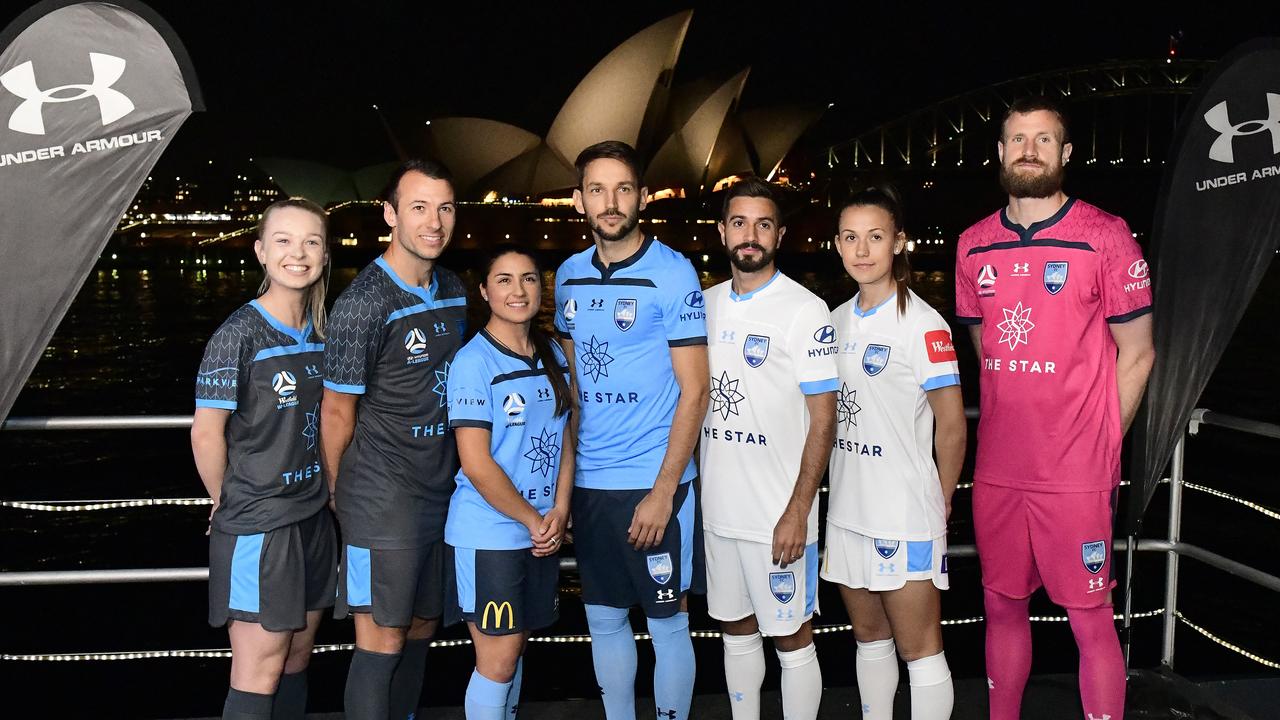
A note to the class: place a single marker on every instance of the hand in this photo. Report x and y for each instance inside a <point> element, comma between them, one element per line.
<point>649,521</point>
<point>789,537</point>
<point>208,530</point>
<point>546,541</point>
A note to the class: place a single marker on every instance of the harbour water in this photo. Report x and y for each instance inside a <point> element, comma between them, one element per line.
<point>130,345</point>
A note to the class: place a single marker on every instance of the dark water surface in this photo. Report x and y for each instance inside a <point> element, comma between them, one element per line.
<point>130,345</point>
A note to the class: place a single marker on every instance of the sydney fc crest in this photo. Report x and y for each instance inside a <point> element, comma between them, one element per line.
<point>886,548</point>
<point>1055,276</point>
<point>1094,555</point>
<point>874,359</point>
<point>624,313</point>
<point>660,567</point>
<point>782,585</point>
<point>755,350</point>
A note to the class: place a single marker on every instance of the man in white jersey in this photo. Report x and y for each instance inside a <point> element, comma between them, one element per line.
<point>765,443</point>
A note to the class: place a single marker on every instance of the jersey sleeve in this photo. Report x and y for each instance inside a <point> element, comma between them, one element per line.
<point>684,309</point>
<point>933,354</point>
<point>968,312</point>
<point>1125,281</point>
<point>222,369</point>
<point>354,335</point>
<point>813,343</point>
<point>562,296</point>
<point>470,404</point>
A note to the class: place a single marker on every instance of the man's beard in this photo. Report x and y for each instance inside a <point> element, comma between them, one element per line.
<point>1040,185</point>
<point>750,265</point>
<point>628,224</point>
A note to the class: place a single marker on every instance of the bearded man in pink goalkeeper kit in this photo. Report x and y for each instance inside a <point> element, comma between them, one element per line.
<point>1058,299</point>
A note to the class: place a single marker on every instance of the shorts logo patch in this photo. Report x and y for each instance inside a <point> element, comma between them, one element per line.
<point>660,567</point>
<point>624,313</point>
<point>782,585</point>
<point>755,350</point>
<point>886,548</point>
<point>944,564</point>
<point>1094,555</point>
<point>1055,276</point>
<point>874,359</point>
<point>498,611</point>
<point>939,347</point>
<point>666,596</point>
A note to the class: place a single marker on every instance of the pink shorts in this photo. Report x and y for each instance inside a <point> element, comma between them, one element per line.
<point>1059,540</point>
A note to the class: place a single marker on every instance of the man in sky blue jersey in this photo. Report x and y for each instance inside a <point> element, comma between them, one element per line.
<point>632,321</point>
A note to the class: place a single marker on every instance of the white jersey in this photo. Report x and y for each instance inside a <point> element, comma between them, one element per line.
<point>768,349</point>
<point>884,483</point>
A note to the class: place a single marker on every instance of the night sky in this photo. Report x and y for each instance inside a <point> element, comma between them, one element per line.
<point>298,79</point>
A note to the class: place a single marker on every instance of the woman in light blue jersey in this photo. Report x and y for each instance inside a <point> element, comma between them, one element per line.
<point>272,547</point>
<point>509,404</point>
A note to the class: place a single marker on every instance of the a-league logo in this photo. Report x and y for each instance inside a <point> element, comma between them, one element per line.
<point>28,118</point>
<point>1218,118</point>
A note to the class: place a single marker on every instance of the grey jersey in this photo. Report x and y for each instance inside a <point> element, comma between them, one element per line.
<point>269,376</point>
<point>391,343</point>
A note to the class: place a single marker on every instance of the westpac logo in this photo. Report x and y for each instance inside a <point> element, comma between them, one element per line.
<point>498,610</point>
<point>1219,119</point>
<point>28,117</point>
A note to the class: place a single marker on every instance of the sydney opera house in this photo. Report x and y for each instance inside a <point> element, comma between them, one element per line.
<point>693,136</point>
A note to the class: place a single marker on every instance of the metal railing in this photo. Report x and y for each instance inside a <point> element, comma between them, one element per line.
<point>1173,547</point>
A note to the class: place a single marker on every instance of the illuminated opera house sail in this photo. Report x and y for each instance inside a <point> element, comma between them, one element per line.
<point>693,137</point>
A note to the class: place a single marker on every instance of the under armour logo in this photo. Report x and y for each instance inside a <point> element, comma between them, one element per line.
<point>726,336</point>
<point>544,394</point>
<point>669,714</point>
<point>886,568</point>
<point>1096,584</point>
<point>866,709</point>
<point>785,614</point>
<point>1022,267</point>
<point>1104,717</point>
<point>313,371</point>
<point>666,595</point>
<point>737,696</point>
<point>991,684</point>
<point>597,303</point>
<point>29,116</point>
<point>1218,119</point>
<point>441,328</point>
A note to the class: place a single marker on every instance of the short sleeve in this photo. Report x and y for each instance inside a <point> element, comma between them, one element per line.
<point>1125,279</point>
<point>222,369</point>
<point>968,312</point>
<point>564,313</point>
<point>684,309</point>
<point>933,354</point>
<point>813,344</point>
<point>470,404</point>
<point>354,335</point>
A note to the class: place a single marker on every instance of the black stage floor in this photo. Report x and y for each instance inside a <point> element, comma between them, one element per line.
<point>1153,695</point>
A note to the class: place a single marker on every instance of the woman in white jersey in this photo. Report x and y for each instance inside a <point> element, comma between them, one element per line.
<point>887,516</point>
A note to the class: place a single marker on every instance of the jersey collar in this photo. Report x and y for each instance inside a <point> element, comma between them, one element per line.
<point>532,362</point>
<point>300,336</point>
<point>1025,234</point>
<point>860,313</point>
<point>605,272</point>
<point>739,298</point>
<point>428,294</point>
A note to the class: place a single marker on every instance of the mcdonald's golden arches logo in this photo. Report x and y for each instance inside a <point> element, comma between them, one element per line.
<point>498,612</point>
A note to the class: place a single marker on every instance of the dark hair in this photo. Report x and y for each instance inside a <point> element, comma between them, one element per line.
<point>886,198</point>
<point>752,187</point>
<point>316,295</point>
<point>541,341</point>
<point>1023,106</point>
<point>431,168</point>
<point>614,150</point>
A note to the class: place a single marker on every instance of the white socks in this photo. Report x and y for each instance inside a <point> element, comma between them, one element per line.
<point>877,667</point>
<point>744,674</point>
<point>801,683</point>
<point>932,694</point>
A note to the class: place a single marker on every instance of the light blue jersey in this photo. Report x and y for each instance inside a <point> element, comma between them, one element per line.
<point>509,395</point>
<point>623,320</point>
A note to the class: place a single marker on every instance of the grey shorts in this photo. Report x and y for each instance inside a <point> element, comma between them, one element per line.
<point>395,586</point>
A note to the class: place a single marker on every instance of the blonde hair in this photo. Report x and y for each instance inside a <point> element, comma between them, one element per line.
<point>320,289</point>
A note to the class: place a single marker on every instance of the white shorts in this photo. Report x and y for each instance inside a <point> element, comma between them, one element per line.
<point>742,581</point>
<point>858,561</point>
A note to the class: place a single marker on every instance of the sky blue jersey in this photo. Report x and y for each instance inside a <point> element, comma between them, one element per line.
<point>509,395</point>
<point>623,320</point>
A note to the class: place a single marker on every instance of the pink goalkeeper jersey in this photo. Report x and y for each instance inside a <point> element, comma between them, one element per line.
<point>1045,296</point>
